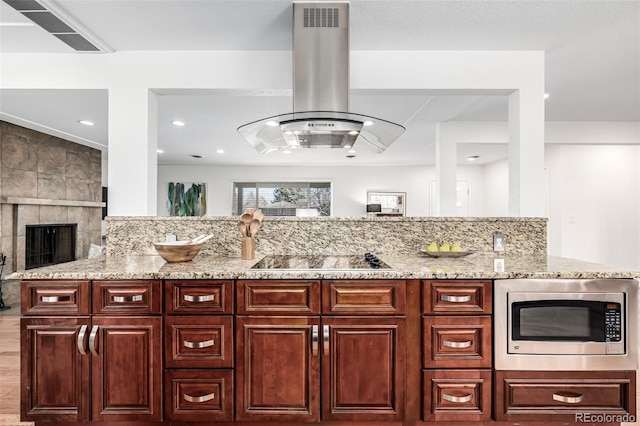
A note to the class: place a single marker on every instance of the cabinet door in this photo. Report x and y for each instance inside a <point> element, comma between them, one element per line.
<point>277,369</point>
<point>54,371</point>
<point>126,368</point>
<point>363,368</point>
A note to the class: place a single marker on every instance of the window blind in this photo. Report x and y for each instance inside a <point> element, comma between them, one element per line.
<point>282,198</point>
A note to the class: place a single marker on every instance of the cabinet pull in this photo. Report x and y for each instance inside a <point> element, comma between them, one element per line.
<point>203,398</point>
<point>124,299</point>
<point>451,344</point>
<point>80,343</point>
<point>568,397</point>
<point>456,299</point>
<point>325,339</point>
<point>199,299</point>
<point>457,399</point>
<point>314,340</point>
<point>198,345</point>
<point>92,340</point>
<point>54,299</point>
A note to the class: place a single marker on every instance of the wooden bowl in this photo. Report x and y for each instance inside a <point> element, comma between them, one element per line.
<point>177,251</point>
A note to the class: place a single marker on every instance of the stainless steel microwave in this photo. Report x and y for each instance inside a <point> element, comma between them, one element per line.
<point>554,324</point>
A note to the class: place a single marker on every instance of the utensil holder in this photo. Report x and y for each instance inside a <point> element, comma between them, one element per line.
<point>248,248</point>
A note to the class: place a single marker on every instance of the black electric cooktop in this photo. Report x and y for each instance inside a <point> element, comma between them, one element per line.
<point>367,261</point>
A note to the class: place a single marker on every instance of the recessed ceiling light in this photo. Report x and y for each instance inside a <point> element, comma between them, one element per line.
<point>160,151</point>
<point>473,157</point>
<point>220,151</point>
<point>354,132</point>
<point>352,151</point>
<point>546,95</point>
<point>272,123</point>
<point>178,123</point>
<point>87,122</point>
<point>196,155</point>
<point>347,146</point>
<point>286,151</point>
<point>368,123</point>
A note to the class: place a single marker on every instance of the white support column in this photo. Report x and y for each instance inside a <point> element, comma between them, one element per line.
<point>446,172</point>
<point>526,153</point>
<point>133,164</point>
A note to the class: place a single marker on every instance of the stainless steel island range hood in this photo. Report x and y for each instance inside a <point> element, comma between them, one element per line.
<point>320,117</point>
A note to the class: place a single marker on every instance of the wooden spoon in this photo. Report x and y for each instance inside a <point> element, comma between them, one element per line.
<point>246,218</point>
<point>243,228</point>
<point>254,227</point>
<point>258,215</point>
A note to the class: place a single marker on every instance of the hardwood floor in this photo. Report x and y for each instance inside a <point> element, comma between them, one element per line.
<point>10,367</point>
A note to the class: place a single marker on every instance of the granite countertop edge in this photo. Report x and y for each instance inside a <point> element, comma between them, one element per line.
<point>404,267</point>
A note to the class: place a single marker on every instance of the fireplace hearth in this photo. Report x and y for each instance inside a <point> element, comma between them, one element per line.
<point>50,244</point>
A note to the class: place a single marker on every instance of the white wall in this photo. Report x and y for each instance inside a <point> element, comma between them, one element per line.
<point>496,189</point>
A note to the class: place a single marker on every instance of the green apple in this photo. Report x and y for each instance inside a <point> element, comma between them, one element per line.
<point>455,247</point>
<point>445,247</point>
<point>432,247</point>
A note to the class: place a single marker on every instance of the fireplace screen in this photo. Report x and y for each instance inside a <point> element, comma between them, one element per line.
<point>50,244</point>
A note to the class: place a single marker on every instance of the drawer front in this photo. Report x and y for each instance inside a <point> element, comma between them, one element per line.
<point>456,395</point>
<point>456,342</point>
<point>55,297</point>
<point>364,297</point>
<point>280,297</point>
<point>560,396</point>
<point>199,395</point>
<point>199,296</point>
<point>198,342</point>
<point>127,297</point>
<point>457,297</point>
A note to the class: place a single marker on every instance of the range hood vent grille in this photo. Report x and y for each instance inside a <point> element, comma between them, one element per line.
<point>321,17</point>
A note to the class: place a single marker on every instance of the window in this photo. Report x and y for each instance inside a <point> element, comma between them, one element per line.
<point>282,198</point>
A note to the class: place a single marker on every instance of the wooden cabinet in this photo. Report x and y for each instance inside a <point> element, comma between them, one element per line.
<point>91,368</point>
<point>456,353</point>
<point>290,357</point>
<point>556,396</point>
<point>198,350</point>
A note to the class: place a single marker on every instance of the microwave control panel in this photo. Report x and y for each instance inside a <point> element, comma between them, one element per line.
<point>612,321</point>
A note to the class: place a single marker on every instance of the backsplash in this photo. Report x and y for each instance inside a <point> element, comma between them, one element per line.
<point>330,235</point>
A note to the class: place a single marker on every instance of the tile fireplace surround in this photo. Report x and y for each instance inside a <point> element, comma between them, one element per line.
<point>46,180</point>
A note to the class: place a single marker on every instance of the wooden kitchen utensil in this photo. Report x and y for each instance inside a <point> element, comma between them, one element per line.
<point>254,226</point>
<point>248,251</point>
<point>243,228</point>
<point>258,215</point>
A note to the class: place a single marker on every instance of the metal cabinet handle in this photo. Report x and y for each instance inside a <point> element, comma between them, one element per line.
<point>325,339</point>
<point>197,399</point>
<point>198,345</point>
<point>314,340</point>
<point>451,344</point>
<point>456,299</point>
<point>457,399</point>
<point>92,340</point>
<point>568,397</point>
<point>199,299</point>
<point>80,343</point>
<point>54,299</point>
<point>124,299</point>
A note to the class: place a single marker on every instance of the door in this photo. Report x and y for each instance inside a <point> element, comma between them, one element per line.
<point>126,368</point>
<point>277,369</point>
<point>363,368</point>
<point>54,369</point>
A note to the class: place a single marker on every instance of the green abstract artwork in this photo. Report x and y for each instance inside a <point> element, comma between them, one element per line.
<point>187,199</point>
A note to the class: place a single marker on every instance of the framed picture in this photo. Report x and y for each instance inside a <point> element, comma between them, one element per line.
<point>186,199</point>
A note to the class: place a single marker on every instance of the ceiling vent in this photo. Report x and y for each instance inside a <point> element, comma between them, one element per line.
<point>59,24</point>
<point>321,117</point>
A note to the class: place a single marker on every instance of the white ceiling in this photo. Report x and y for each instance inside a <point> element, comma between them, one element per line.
<point>592,68</point>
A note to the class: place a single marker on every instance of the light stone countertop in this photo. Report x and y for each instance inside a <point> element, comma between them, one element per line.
<point>474,266</point>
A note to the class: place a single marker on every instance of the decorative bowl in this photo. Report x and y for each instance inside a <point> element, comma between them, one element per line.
<point>177,251</point>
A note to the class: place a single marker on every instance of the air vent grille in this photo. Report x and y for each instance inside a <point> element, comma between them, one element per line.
<point>315,17</point>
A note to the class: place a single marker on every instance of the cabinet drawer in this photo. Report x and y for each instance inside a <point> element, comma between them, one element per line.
<point>55,297</point>
<point>362,297</point>
<point>456,297</point>
<point>199,395</point>
<point>456,342</point>
<point>198,342</point>
<point>127,297</point>
<point>278,297</point>
<point>561,395</point>
<point>199,296</point>
<point>456,395</point>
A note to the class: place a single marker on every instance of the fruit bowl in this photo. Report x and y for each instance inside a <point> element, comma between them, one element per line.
<point>178,251</point>
<point>445,253</point>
